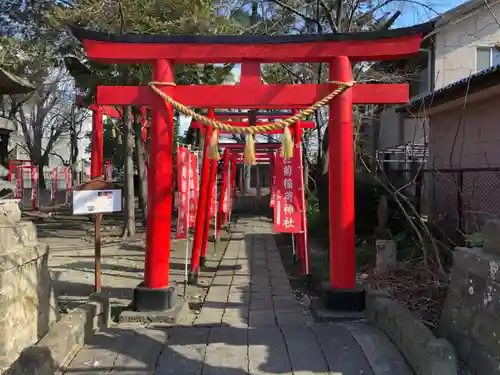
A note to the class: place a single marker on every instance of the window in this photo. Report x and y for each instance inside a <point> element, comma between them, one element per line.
<point>487,57</point>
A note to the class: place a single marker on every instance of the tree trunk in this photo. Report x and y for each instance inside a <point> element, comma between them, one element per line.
<point>140,156</point>
<point>129,224</point>
<point>74,148</point>
<point>41,177</point>
<point>4,148</point>
<point>305,172</point>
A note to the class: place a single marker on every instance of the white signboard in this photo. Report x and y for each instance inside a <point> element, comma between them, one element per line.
<point>88,202</point>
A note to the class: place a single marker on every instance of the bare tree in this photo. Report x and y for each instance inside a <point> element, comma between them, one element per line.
<point>42,118</point>
<point>140,157</point>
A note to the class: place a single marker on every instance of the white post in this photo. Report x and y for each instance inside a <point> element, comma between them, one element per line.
<point>215,208</point>
<point>304,214</point>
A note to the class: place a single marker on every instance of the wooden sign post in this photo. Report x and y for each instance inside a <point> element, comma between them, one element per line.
<point>97,197</point>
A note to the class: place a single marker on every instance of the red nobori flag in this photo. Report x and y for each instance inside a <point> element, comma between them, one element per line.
<point>278,160</point>
<point>288,216</point>
<point>272,202</point>
<point>183,189</point>
<point>193,189</point>
<point>226,187</point>
<point>213,202</point>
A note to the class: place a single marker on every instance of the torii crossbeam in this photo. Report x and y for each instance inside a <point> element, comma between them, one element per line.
<point>163,52</point>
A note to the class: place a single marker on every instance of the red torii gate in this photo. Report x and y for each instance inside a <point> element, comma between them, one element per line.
<point>97,156</point>
<point>162,52</point>
<point>208,178</point>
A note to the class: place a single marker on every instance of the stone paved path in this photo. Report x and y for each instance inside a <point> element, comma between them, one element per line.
<point>250,323</point>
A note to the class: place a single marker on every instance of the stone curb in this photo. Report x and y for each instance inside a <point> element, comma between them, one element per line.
<point>64,339</point>
<point>426,354</point>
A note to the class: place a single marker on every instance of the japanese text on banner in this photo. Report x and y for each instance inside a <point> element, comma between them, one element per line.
<point>183,164</point>
<point>213,201</point>
<point>288,215</point>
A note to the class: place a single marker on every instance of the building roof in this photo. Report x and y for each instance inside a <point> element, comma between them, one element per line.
<point>11,84</point>
<point>474,83</point>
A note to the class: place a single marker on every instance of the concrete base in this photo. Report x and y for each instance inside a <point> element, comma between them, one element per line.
<point>154,300</point>
<point>193,277</point>
<point>343,299</point>
<point>325,315</point>
<point>203,261</point>
<point>168,317</point>
<point>308,280</point>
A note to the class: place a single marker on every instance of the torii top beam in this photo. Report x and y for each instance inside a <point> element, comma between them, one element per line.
<point>250,93</point>
<point>197,49</point>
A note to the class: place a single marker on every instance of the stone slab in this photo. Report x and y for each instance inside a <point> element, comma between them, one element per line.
<point>227,352</point>
<point>184,353</point>
<point>142,356</point>
<point>101,352</point>
<point>61,343</point>
<point>383,356</point>
<point>305,353</point>
<point>424,353</point>
<point>343,354</point>
<point>267,352</point>
<point>259,318</point>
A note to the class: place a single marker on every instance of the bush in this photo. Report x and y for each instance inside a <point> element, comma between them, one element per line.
<point>366,193</point>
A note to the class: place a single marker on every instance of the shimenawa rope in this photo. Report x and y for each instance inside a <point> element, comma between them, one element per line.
<point>287,144</point>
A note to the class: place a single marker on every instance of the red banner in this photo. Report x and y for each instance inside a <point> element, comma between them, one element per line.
<point>193,189</point>
<point>227,189</point>
<point>183,162</point>
<point>213,202</point>
<point>272,169</point>
<point>288,216</point>
<point>232,185</point>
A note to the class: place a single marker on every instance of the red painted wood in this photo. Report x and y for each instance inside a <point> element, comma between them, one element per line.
<point>160,186</point>
<point>262,96</point>
<point>341,183</point>
<point>107,110</point>
<point>250,73</point>
<point>222,194</point>
<point>184,53</point>
<point>210,196</point>
<point>203,204</point>
<point>96,153</point>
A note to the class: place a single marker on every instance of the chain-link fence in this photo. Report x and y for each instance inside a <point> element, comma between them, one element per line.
<point>459,200</point>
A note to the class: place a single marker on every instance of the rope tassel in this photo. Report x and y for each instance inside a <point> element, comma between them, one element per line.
<point>287,144</point>
<point>249,152</point>
<point>214,145</point>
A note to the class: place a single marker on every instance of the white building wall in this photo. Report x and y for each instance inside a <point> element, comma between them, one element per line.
<point>458,39</point>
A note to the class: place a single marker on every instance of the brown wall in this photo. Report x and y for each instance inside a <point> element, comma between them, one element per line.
<point>464,138</point>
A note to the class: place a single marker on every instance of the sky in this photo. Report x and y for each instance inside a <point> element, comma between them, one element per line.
<point>411,14</point>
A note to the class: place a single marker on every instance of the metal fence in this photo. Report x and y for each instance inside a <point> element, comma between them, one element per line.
<point>459,200</point>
